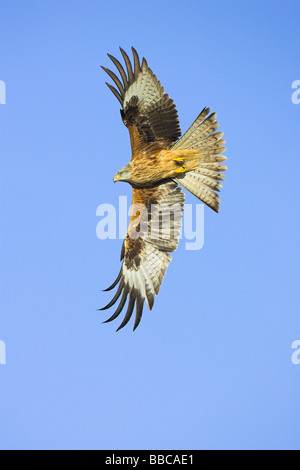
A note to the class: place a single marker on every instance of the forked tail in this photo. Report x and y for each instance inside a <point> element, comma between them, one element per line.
<point>204,181</point>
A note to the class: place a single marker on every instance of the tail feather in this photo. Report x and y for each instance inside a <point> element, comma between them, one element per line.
<point>202,187</point>
<point>213,166</point>
<point>212,174</point>
<point>203,180</point>
<point>212,141</point>
<point>189,133</point>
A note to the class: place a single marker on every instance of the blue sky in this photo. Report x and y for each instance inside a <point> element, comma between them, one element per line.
<point>210,367</point>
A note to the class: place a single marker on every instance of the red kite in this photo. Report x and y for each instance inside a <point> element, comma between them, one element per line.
<point>160,161</point>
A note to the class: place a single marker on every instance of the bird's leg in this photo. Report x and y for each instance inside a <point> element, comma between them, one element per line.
<point>179,161</point>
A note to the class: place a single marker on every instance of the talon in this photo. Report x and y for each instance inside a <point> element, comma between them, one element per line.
<point>180,170</point>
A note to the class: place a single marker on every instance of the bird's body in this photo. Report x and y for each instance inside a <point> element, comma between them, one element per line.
<point>160,161</point>
<point>160,165</point>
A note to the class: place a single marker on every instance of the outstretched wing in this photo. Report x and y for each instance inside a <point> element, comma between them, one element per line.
<point>153,231</point>
<point>147,111</point>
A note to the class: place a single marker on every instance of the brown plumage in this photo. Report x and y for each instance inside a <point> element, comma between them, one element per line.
<point>160,161</point>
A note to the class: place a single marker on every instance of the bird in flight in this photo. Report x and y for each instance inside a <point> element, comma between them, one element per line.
<point>160,165</point>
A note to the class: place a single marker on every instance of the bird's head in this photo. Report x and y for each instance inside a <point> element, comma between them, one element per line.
<point>123,174</point>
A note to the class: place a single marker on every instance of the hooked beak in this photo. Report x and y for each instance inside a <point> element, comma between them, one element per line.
<point>116,178</point>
